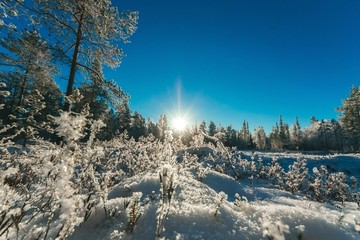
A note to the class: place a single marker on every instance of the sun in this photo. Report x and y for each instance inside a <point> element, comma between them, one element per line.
<point>179,124</point>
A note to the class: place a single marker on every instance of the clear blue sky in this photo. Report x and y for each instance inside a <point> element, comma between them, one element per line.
<point>238,60</point>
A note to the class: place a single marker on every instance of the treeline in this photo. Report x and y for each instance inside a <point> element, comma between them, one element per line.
<point>321,135</point>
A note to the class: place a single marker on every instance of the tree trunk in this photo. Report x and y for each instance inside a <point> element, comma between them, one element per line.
<point>23,85</point>
<point>70,85</point>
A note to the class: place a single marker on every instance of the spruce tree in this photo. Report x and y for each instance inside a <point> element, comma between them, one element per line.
<point>259,137</point>
<point>296,135</point>
<point>350,118</point>
<point>212,128</point>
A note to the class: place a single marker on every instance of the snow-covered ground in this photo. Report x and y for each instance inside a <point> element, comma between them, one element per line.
<point>187,197</point>
<point>335,162</point>
<point>191,214</point>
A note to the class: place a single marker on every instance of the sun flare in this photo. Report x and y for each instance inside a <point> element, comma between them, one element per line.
<point>179,124</point>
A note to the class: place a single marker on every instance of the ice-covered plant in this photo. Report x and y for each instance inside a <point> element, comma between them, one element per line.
<point>167,188</point>
<point>202,172</point>
<point>167,184</point>
<point>338,188</point>
<point>3,93</point>
<point>46,196</point>
<point>197,140</point>
<point>274,172</point>
<point>70,126</point>
<point>296,176</point>
<point>241,201</point>
<point>134,210</point>
<point>224,151</point>
<point>95,128</point>
<point>274,230</point>
<point>300,230</point>
<point>331,186</point>
<point>220,168</point>
<point>220,200</point>
<point>317,185</point>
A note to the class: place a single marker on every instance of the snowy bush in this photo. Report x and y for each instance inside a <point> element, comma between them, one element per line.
<point>296,177</point>
<point>133,210</point>
<point>274,230</point>
<point>274,173</point>
<point>332,186</point>
<point>221,198</point>
<point>49,191</point>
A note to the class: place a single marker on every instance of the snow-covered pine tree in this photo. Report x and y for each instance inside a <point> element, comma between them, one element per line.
<point>137,126</point>
<point>163,126</point>
<point>259,137</point>
<point>29,75</point>
<point>296,135</point>
<point>81,28</point>
<point>275,140</point>
<point>151,128</point>
<point>350,118</point>
<point>28,67</point>
<point>245,136</point>
<point>212,128</point>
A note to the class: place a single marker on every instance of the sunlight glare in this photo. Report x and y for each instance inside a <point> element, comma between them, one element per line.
<point>179,124</point>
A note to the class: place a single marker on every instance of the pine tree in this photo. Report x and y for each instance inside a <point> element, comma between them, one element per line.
<point>350,117</point>
<point>123,117</point>
<point>151,128</point>
<point>212,128</point>
<point>275,138</point>
<point>9,12</point>
<point>29,76</point>
<point>296,135</point>
<point>28,67</point>
<point>230,137</point>
<point>162,126</point>
<point>245,139</point>
<point>202,127</point>
<point>259,137</point>
<point>137,126</point>
<point>82,28</point>
<point>339,135</point>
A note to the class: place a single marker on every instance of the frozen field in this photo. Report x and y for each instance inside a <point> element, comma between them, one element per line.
<point>152,190</point>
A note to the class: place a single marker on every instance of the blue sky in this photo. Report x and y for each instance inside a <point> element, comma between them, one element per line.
<point>234,60</point>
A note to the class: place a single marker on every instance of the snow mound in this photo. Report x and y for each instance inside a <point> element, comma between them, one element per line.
<point>218,208</point>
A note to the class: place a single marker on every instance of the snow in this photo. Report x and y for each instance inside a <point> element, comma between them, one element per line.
<point>188,198</point>
<point>192,213</point>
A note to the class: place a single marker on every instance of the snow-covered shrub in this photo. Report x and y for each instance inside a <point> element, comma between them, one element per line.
<point>318,186</point>
<point>167,184</point>
<point>331,186</point>
<point>167,188</point>
<point>202,172</point>
<point>47,194</point>
<point>274,230</point>
<point>300,230</point>
<point>57,189</point>
<point>274,172</point>
<point>134,210</point>
<point>70,126</point>
<point>296,177</point>
<point>220,168</point>
<point>221,198</point>
<point>241,201</point>
<point>197,140</point>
